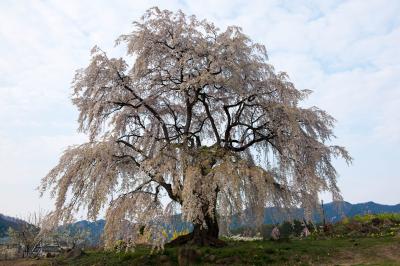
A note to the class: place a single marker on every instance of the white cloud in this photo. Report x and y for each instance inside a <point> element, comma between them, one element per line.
<point>23,162</point>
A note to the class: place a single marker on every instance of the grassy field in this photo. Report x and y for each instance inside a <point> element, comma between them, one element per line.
<point>361,240</point>
<point>333,251</point>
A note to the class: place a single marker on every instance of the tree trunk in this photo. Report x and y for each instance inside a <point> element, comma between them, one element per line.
<point>203,234</point>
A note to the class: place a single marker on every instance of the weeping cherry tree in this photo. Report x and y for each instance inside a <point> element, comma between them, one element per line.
<point>193,120</point>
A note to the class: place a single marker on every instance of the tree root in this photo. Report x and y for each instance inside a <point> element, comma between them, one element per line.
<point>201,239</point>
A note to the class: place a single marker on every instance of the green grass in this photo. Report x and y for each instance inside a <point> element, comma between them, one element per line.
<point>333,251</point>
<point>362,240</point>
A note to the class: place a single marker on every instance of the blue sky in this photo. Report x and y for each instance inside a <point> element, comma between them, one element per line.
<point>345,51</point>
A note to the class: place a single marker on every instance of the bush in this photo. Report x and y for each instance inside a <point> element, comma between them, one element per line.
<point>375,225</point>
<point>177,234</point>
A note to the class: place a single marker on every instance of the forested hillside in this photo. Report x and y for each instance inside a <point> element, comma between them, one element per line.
<point>6,222</point>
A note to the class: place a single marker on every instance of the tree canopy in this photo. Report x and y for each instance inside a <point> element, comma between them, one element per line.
<point>196,115</point>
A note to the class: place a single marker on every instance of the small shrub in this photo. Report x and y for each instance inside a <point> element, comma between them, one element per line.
<point>177,234</point>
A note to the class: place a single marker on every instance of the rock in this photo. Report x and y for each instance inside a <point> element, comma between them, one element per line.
<point>188,256</point>
<point>387,222</point>
<point>145,257</point>
<point>74,253</point>
<point>354,226</point>
<point>235,260</point>
<point>164,258</point>
<point>210,258</point>
<point>352,233</point>
<point>374,229</point>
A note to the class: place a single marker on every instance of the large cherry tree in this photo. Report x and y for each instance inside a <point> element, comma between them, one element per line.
<point>196,115</point>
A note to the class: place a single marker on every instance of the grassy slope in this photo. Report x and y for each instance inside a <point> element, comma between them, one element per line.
<point>335,251</point>
<point>362,240</point>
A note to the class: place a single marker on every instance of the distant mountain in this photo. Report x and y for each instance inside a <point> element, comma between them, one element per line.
<point>94,229</point>
<point>5,223</point>
<point>369,207</point>
<point>333,213</point>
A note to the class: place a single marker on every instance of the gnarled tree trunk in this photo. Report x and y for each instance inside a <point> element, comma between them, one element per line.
<point>206,231</point>
<point>203,234</point>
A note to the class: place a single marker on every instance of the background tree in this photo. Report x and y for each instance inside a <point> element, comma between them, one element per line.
<point>72,237</point>
<point>26,234</point>
<point>195,114</point>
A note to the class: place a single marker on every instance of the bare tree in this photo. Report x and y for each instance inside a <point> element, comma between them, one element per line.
<point>196,114</point>
<point>26,234</point>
